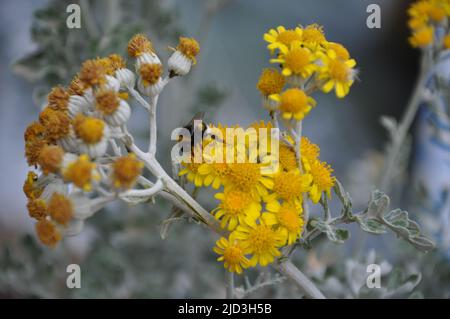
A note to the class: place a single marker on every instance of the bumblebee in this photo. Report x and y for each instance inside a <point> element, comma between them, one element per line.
<point>191,127</point>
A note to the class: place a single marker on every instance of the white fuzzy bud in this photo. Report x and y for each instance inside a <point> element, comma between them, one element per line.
<point>179,63</point>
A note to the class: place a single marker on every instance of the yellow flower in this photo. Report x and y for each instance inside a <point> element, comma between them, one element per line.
<point>309,152</point>
<point>30,189</point>
<point>249,177</point>
<point>34,131</point>
<point>56,124</point>
<point>296,60</point>
<point>191,170</point>
<point>294,103</point>
<point>126,170</point>
<point>76,87</point>
<point>287,217</point>
<point>47,232</point>
<point>422,38</point>
<point>313,36</point>
<point>339,49</point>
<point>37,208</point>
<point>35,141</point>
<point>89,129</point>
<point>323,181</point>
<point>116,61</point>
<point>290,186</point>
<point>260,240</point>
<point>138,45</point>
<point>427,11</point>
<point>232,254</point>
<point>50,158</point>
<point>282,38</point>
<point>93,72</point>
<point>235,205</point>
<point>60,208</point>
<point>288,159</point>
<point>107,101</point>
<point>336,73</point>
<point>58,99</point>
<point>150,73</point>
<point>33,149</point>
<point>214,174</point>
<point>189,47</point>
<point>437,13</point>
<point>270,82</point>
<point>447,41</point>
<point>81,173</point>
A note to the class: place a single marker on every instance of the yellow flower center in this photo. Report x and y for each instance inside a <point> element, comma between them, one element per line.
<point>33,149</point>
<point>34,131</point>
<point>289,218</point>
<point>245,175</point>
<point>233,255</point>
<point>297,59</point>
<point>321,173</point>
<point>58,98</point>
<point>151,73</point>
<point>293,101</point>
<point>309,150</point>
<point>313,34</point>
<point>270,82</point>
<point>89,129</point>
<point>60,208</point>
<point>193,167</point>
<point>50,158</point>
<point>93,72</point>
<point>116,61</point>
<point>106,64</point>
<point>221,169</point>
<point>437,13</point>
<point>56,123</point>
<point>422,38</point>
<point>37,208</point>
<point>288,36</point>
<point>139,44</point>
<point>287,157</point>
<point>189,47</point>
<point>290,185</point>
<point>447,41</point>
<point>29,187</point>
<point>235,202</point>
<point>340,50</point>
<point>107,102</point>
<point>126,170</point>
<point>76,87</point>
<point>262,239</point>
<point>47,232</point>
<point>80,172</point>
<point>339,71</point>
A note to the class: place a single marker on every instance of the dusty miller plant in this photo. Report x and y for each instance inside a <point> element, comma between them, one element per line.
<point>86,157</point>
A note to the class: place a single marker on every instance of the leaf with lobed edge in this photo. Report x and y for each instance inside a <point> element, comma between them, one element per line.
<point>377,219</point>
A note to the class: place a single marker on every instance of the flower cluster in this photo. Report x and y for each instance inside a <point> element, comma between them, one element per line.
<point>263,209</point>
<point>428,21</point>
<point>308,62</point>
<point>78,146</point>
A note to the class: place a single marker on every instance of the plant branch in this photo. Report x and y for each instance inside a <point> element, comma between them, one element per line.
<point>288,269</point>
<point>230,284</point>
<point>403,127</point>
